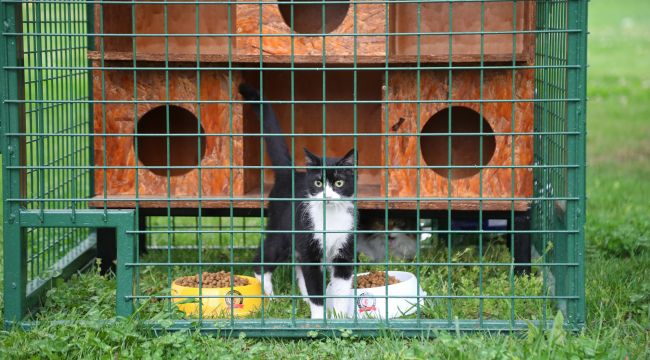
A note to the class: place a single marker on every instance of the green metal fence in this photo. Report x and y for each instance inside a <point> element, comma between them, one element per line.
<point>124,137</point>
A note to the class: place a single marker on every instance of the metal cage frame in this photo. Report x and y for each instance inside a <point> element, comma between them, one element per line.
<point>56,61</point>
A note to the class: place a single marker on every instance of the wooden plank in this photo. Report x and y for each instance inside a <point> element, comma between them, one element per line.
<point>278,42</point>
<point>272,22</point>
<point>121,120</point>
<point>462,205</point>
<point>336,59</point>
<point>150,19</point>
<point>467,24</point>
<point>498,118</point>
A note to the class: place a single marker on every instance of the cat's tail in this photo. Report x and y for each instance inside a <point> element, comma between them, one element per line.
<point>276,147</point>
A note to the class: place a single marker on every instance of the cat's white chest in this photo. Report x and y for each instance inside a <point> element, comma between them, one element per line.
<point>338,221</point>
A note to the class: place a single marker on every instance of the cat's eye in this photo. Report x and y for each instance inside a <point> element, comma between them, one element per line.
<point>338,183</point>
<point>318,183</point>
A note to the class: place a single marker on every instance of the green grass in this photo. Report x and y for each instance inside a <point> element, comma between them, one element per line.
<point>618,249</point>
<point>434,280</point>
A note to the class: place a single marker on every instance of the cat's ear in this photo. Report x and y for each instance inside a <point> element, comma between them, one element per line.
<point>311,159</point>
<point>348,159</point>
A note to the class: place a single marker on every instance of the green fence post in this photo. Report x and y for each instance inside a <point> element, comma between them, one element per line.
<point>15,249</point>
<point>125,256</point>
<point>576,113</point>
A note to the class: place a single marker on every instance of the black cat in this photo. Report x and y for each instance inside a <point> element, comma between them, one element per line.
<point>322,200</point>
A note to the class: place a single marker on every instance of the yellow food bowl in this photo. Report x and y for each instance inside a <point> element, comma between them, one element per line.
<point>242,305</point>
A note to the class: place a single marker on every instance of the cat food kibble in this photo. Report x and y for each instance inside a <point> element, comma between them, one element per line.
<point>219,279</point>
<point>374,279</point>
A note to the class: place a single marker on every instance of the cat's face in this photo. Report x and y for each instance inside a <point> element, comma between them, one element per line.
<point>338,182</point>
<point>395,224</point>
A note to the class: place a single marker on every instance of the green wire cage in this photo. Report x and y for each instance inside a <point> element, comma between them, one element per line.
<point>124,138</point>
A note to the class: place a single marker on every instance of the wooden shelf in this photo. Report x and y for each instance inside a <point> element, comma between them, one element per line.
<point>305,59</point>
<point>127,202</point>
<point>500,30</point>
<point>476,28</point>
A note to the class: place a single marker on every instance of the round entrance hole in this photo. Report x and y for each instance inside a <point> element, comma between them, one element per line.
<point>183,150</point>
<point>308,18</point>
<point>465,149</point>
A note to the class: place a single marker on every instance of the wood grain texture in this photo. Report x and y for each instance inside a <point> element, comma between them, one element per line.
<point>402,150</point>
<point>344,59</point>
<point>275,46</point>
<point>497,85</point>
<point>370,19</point>
<point>308,119</point>
<point>119,202</point>
<point>474,17</point>
<point>150,19</point>
<point>121,118</point>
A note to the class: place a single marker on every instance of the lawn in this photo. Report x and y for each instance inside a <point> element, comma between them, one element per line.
<point>618,249</point>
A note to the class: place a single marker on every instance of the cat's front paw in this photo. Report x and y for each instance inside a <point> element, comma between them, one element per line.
<point>316,311</point>
<point>339,308</point>
<point>339,298</point>
<point>267,283</point>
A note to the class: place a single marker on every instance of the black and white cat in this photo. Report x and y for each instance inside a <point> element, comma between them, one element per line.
<point>324,216</point>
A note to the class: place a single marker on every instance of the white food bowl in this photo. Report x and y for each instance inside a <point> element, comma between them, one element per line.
<point>371,302</point>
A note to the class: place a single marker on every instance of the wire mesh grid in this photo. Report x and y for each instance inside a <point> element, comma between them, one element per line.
<point>125,137</point>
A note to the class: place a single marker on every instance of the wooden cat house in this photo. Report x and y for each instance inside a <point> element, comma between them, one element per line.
<point>181,106</point>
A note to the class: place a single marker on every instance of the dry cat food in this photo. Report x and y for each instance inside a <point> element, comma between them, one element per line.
<point>374,279</point>
<point>219,279</point>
